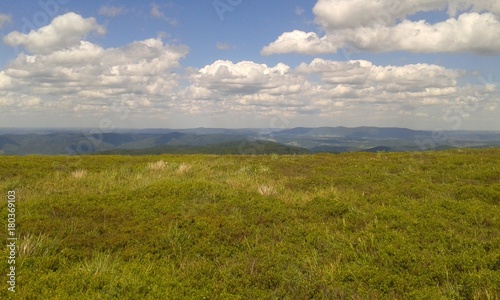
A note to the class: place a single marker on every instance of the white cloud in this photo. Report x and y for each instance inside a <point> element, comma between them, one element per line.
<point>339,14</point>
<point>111,11</point>
<point>84,79</point>
<point>366,89</point>
<point>327,89</point>
<point>4,19</point>
<point>87,77</point>
<point>64,31</point>
<point>486,5</point>
<point>452,35</point>
<point>300,42</point>
<point>71,74</point>
<point>247,77</point>
<point>88,80</point>
<point>363,73</point>
<point>5,81</point>
<point>246,88</point>
<point>381,26</point>
<point>12,100</point>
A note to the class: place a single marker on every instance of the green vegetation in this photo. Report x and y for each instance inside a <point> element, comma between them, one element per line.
<point>247,147</point>
<point>347,226</point>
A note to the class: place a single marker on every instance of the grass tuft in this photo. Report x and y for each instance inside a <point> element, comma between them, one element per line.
<point>30,245</point>
<point>266,190</point>
<point>183,169</point>
<point>78,174</point>
<point>99,263</point>
<point>157,166</point>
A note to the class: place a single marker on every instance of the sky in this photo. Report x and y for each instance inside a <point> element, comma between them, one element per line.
<point>419,64</point>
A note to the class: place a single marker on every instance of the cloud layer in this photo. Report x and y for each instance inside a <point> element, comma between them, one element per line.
<point>71,73</point>
<point>382,26</point>
<point>73,77</point>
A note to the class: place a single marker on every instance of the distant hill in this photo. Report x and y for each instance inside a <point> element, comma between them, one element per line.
<point>377,149</point>
<point>233,147</point>
<point>222,140</point>
<point>357,132</point>
<point>6,140</point>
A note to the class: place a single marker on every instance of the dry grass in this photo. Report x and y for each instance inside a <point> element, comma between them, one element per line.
<point>79,174</point>
<point>31,244</point>
<point>266,190</point>
<point>100,263</point>
<point>157,166</point>
<point>183,168</point>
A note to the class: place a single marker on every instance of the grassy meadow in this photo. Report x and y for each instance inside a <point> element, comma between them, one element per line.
<point>348,226</point>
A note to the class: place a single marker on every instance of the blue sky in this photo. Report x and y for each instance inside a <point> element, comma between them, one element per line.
<point>239,63</point>
<point>246,28</point>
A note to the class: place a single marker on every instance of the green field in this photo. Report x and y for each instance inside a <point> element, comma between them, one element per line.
<point>347,226</point>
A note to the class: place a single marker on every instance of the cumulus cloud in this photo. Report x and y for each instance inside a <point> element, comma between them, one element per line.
<point>64,31</point>
<point>5,81</point>
<point>339,14</point>
<point>19,101</point>
<point>386,90</point>
<point>417,80</point>
<point>327,89</point>
<point>246,88</point>
<point>4,19</point>
<point>140,67</point>
<point>89,78</point>
<point>382,26</point>
<point>471,32</point>
<point>300,42</point>
<point>73,76</point>
<point>111,11</point>
<point>247,77</point>
<point>82,78</point>
<point>485,5</point>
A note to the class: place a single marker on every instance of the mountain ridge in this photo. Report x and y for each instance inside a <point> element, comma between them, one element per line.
<point>314,139</point>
